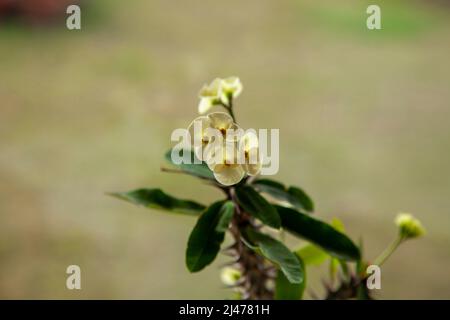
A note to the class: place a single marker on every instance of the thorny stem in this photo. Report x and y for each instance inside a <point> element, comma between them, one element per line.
<point>349,289</point>
<point>255,272</point>
<point>353,288</point>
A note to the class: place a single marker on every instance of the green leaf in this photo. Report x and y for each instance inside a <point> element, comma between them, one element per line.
<point>362,292</point>
<point>335,263</point>
<point>312,255</point>
<point>333,268</point>
<point>303,199</point>
<point>204,241</point>
<point>320,233</point>
<point>337,224</point>
<point>284,290</point>
<point>294,196</point>
<point>200,170</point>
<point>269,183</point>
<point>278,253</point>
<point>158,199</point>
<point>257,206</point>
<point>361,265</point>
<point>226,214</point>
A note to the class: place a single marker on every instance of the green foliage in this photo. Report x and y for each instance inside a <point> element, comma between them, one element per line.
<point>226,214</point>
<point>278,253</point>
<point>244,204</point>
<point>312,255</point>
<point>320,233</point>
<point>257,206</point>
<point>285,290</point>
<point>295,196</point>
<point>335,262</point>
<point>205,240</point>
<point>158,199</point>
<point>199,170</point>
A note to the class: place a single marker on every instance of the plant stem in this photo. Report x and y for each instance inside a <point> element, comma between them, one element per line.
<point>350,288</point>
<point>255,273</point>
<point>229,108</point>
<point>163,169</point>
<point>388,251</point>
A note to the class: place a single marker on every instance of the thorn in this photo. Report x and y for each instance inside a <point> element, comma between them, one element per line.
<point>238,284</point>
<point>232,246</point>
<point>227,264</point>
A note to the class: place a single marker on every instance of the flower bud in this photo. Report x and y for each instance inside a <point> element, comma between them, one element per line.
<point>231,88</point>
<point>210,95</point>
<point>230,276</point>
<point>409,226</point>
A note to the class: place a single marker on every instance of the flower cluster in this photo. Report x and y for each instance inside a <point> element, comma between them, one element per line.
<point>219,92</point>
<point>230,152</point>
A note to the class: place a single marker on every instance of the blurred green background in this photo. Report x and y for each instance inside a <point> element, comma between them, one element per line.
<point>363,118</point>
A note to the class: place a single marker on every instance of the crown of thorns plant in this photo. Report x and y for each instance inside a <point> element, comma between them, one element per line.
<point>256,211</point>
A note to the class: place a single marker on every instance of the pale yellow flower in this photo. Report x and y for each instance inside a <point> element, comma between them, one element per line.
<point>223,162</point>
<point>230,276</point>
<point>231,88</point>
<point>210,95</point>
<point>219,91</point>
<point>206,130</point>
<point>409,226</point>
<point>198,133</point>
<point>249,150</point>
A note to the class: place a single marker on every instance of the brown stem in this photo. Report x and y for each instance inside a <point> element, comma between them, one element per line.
<point>353,288</point>
<point>255,272</point>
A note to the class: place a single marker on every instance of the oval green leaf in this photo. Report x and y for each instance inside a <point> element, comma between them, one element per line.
<point>312,255</point>
<point>195,168</point>
<point>278,253</point>
<point>301,198</point>
<point>158,199</point>
<point>320,233</point>
<point>204,241</point>
<point>294,196</point>
<point>257,206</point>
<point>226,214</point>
<point>284,290</point>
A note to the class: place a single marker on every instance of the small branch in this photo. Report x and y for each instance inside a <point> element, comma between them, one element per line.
<point>229,108</point>
<point>255,272</point>
<point>349,290</point>
<point>164,169</point>
<point>388,251</point>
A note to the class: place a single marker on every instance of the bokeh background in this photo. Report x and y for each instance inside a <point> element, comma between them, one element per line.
<point>363,118</point>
